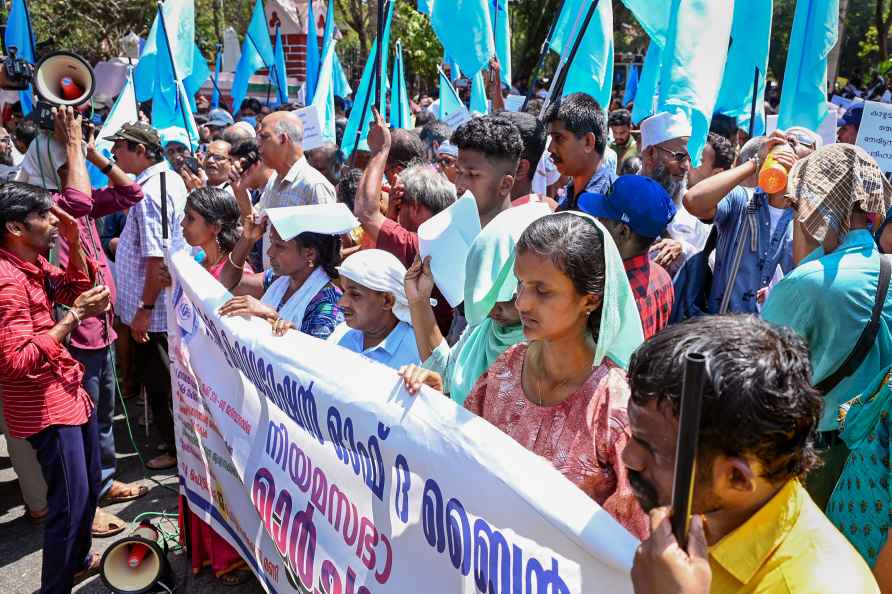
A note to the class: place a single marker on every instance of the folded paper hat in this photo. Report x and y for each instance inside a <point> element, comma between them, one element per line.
<point>328,219</point>
<point>663,127</point>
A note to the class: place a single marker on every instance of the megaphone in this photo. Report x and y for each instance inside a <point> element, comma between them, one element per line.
<point>137,564</point>
<point>61,79</point>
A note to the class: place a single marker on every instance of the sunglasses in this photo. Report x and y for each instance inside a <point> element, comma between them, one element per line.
<point>679,157</point>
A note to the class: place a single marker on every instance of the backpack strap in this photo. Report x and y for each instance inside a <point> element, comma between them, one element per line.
<point>868,334</point>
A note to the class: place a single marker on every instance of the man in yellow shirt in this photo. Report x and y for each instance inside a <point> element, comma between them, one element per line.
<point>756,530</point>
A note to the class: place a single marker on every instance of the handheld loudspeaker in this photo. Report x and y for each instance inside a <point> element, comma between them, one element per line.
<point>138,564</point>
<point>61,79</point>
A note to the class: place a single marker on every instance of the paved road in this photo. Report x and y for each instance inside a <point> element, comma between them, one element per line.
<point>21,543</point>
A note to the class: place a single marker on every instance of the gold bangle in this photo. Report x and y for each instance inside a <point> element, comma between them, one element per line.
<point>234,265</point>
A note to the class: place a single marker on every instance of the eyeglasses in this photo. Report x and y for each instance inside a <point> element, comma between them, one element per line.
<point>680,156</point>
<point>803,139</point>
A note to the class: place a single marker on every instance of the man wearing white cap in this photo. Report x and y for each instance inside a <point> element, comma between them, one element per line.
<point>665,158</point>
<point>377,322</point>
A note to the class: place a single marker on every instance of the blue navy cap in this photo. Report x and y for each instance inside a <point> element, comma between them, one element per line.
<point>638,201</point>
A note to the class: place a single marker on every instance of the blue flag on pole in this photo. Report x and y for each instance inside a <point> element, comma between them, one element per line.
<point>692,68</point>
<point>631,85</point>
<point>218,65</point>
<point>454,70</point>
<point>20,35</point>
<point>382,104</point>
<point>478,94</point>
<point>449,99</point>
<point>653,16</point>
<point>400,114</point>
<point>804,94</point>
<point>279,74</point>
<point>171,68</point>
<point>257,53</point>
<point>324,97</point>
<point>592,69</point>
<point>465,30</point>
<point>751,37</point>
<point>342,86</point>
<point>312,52</point>
<point>328,32</point>
<point>425,6</point>
<point>501,30</point>
<point>646,93</point>
<point>359,118</point>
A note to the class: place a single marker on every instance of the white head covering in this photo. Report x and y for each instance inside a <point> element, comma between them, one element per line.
<point>173,134</point>
<point>330,218</point>
<point>40,167</point>
<point>802,131</point>
<point>379,271</point>
<point>662,127</point>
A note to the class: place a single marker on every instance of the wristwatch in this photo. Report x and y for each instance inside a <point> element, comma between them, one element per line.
<point>147,306</point>
<point>107,169</point>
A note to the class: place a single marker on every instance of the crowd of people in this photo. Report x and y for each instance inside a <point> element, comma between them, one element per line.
<point>605,257</point>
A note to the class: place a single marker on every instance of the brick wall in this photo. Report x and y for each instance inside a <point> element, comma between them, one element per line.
<point>296,54</point>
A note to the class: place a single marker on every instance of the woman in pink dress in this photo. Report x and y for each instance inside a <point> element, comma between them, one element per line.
<point>211,222</point>
<point>563,393</point>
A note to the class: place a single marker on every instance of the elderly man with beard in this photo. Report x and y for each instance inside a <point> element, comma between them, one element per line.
<point>755,529</point>
<point>665,159</point>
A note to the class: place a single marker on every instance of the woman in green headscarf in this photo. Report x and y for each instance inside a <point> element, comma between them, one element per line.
<point>493,322</point>
<point>563,394</point>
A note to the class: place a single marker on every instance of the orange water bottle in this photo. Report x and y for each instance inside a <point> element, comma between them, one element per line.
<point>773,175</point>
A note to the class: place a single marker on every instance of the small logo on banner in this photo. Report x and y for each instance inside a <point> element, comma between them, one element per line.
<point>185,312</point>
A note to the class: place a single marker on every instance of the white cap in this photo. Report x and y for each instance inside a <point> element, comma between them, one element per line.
<point>663,127</point>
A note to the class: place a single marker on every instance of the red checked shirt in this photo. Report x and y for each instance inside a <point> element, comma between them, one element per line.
<point>653,290</point>
<point>39,379</point>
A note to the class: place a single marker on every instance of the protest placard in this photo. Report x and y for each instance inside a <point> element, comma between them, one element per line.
<point>312,122</point>
<point>326,476</point>
<point>875,134</point>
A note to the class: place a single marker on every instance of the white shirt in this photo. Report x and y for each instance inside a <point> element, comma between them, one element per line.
<point>775,214</point>
<point>301,185</point>
<point>690,231</point>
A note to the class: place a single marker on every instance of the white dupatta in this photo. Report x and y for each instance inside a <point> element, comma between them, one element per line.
<point>294,309</point>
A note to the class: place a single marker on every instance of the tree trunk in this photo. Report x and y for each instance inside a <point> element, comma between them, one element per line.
<point>833,59</point>
<point>882,20</point>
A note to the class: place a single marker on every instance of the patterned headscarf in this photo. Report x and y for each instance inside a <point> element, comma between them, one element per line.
<point>826,186</point>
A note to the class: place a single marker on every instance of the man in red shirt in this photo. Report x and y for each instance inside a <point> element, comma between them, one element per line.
<point>43,399</point>
<point>635,211</point>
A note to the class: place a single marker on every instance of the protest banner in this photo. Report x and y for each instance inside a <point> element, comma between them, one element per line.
<point>316,465</point>
<point>875,134</point>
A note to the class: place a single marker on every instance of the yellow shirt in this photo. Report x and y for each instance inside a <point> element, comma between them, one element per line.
<point>788,547</point>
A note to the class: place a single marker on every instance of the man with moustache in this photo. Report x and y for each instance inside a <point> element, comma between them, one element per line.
<point>665,158</point>
<point>754,528</point>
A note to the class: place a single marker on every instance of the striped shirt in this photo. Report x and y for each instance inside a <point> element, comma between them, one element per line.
<point>39,379</point>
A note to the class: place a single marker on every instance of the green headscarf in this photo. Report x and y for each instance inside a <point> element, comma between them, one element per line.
<point>489,280</point>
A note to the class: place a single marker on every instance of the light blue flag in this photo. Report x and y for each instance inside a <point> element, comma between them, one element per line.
<point>180,116</point>
<point>324,97</point>
<point>425,6</point>
<point>692,68</point>
<point>382,104</point>
<point>359,117</point>
<point>750,39</point>
<point>454,70</point>
<point>400,113</point>
<point>631,85</point>
<point>279,75</point>
<point>501,30</point>
<point>449,99</point>
<point>804,95</point>
<point>478,94</point>
<point>646,93</point>
<point>592,69</point>
<point>168,54</point>
<point>20,35</point>
<point>218,65</point>
<point>200,73</point>
<point>653,16</point>
<point>312,61</point>
<point>342,86</point>
<point>465,30</point>
<point>328,32</point>
<point>257,53</point>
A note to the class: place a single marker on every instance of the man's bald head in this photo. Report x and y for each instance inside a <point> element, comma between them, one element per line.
<point>280,139</point>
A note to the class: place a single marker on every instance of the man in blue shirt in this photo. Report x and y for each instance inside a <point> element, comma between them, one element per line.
<point>828,299</point>
<point>755,230</point>
<point>376,311</point>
